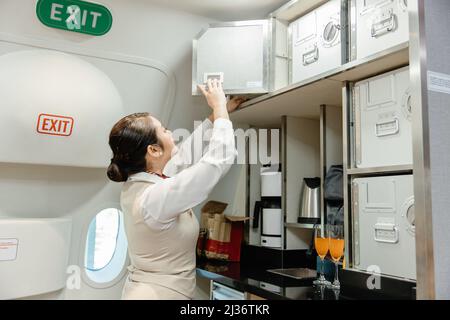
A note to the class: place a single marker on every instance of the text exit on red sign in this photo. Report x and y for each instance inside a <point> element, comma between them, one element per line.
<point>55,125</point>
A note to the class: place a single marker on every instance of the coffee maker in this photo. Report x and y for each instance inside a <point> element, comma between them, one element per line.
<point>269,208</point>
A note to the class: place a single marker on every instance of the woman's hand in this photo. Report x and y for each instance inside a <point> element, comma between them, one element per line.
<point>214,95</point>
<point>216,99</point>
<point>234,103</point>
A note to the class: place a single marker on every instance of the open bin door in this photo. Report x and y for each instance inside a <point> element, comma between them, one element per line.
<point>237,53</point>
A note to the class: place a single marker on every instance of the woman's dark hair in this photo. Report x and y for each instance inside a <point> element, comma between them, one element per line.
<point>129,139</point>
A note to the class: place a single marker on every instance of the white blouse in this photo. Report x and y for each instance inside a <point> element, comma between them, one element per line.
<point>192,176</point>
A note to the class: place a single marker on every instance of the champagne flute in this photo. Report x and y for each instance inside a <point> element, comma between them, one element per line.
<point>336,240</point>
<point>321,243</point>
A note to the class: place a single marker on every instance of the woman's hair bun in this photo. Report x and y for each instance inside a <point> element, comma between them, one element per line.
<point>115,173</point>
<point>128,140</point>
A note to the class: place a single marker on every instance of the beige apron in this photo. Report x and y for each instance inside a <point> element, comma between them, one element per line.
<point>162,258</point>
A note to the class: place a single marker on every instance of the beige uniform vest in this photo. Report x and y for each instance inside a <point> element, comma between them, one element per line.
<point>161,256</point>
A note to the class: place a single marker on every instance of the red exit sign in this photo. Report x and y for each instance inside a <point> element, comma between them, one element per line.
<point>54,125</point>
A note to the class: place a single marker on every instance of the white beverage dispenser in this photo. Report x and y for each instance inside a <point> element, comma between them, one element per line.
<point>269,208</point>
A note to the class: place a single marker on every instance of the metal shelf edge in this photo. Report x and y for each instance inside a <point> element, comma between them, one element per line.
<point>380,170</point>
<point>299,225</point>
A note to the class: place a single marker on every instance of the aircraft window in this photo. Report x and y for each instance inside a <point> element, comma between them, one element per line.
<point>106,247</point>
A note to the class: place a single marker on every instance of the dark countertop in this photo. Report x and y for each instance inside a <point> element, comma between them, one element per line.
<point>256,281</point>
<point>275,287</point>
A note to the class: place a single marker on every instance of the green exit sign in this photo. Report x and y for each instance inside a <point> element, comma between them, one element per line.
<point>75,15</point>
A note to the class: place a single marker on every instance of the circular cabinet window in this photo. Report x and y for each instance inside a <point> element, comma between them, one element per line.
<point>407,104</point>
<point>106,249</point>
<point>403,4</point>
<point>408,214</point>
<point>330,33</point>
<point>411,220</point>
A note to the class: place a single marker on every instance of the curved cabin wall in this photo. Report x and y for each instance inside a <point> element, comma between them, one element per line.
<point>56,109</point>
<point>76,186</point>
<point>60,106</point>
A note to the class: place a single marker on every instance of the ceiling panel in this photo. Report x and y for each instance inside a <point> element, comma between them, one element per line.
<point>226,9</point>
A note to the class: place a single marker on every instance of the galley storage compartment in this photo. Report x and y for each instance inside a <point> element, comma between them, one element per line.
<point>382,117</point>
<point>377,25</point>
<point>249,57</point>
<point>34,256</point>
<point>58,108</point>
<point>316,41</point>
<point>384,228</point>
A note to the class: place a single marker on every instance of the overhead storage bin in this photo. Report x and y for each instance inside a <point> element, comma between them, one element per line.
<point>236,53</point>
<point>58,108</point>
<point>244,55</point>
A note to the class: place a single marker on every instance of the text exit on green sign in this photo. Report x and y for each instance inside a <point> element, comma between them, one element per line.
<point>75,15</point>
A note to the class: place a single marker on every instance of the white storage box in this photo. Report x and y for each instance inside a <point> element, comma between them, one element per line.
<point>382,112</point>
<point>377,25</point>
<point>316,41</point>
<point>384,229</point>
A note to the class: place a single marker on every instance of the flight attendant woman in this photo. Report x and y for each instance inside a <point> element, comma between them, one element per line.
<point>162,184</point>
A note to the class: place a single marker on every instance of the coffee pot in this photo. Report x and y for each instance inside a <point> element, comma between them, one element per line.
<point>310,201</point>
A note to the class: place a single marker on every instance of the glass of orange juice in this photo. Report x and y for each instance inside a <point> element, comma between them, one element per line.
<point>321,243</point>
<point>336,246</point>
